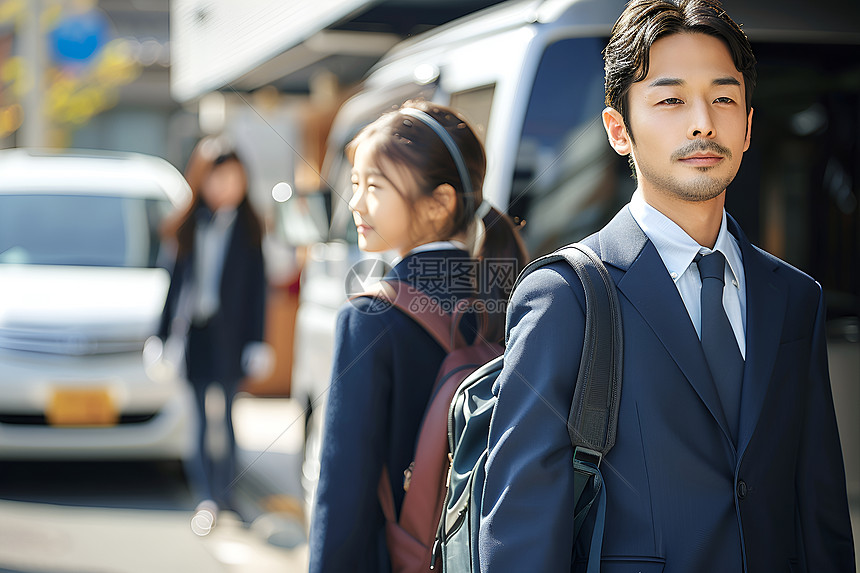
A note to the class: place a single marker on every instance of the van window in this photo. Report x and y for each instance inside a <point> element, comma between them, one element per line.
<point>302,219</point>
<point>567,181</point>
<point>796,193</point>
<point>475,105</point>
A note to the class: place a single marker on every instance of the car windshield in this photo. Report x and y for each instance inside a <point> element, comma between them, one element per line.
<point>81,230</point>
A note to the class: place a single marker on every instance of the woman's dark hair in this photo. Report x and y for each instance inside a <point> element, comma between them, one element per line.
<point>643,22</point>
<point>410,145</point>
<point>208,154</point>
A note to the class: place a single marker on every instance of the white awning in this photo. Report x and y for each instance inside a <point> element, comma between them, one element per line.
<point>214,43</point>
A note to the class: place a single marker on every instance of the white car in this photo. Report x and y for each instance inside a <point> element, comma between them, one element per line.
<point>80,291</point>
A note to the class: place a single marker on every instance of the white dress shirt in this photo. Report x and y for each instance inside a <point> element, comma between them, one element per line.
<point>211,240</point>
<point>678,249</point>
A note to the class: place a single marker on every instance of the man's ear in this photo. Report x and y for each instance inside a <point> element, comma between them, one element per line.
<point>616,131</point>
<point>749,130</point>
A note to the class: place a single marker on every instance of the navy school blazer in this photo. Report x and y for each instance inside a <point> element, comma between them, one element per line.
<point>682,498</point>
<point>241,316</point>
<point>384,369</point>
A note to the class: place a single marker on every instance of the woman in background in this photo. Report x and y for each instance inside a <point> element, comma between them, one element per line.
<point>216,304</point>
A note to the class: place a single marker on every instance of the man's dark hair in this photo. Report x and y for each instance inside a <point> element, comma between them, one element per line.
<point>643,22</point>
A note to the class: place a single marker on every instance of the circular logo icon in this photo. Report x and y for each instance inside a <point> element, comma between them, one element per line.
<point>363,277</point>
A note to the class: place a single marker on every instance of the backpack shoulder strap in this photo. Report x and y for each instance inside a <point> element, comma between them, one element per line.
<point>423,309</point>
<point>593,417</point>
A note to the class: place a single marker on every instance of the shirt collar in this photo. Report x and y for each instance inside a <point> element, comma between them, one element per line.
<point>434,246</point>
<point>728,246</point>
<point>220,219</point>
<point>674,245</point>
<point>223,218</point>
<point>438,246</point>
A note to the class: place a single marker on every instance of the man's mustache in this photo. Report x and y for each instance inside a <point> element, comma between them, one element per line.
<point>699,145</point>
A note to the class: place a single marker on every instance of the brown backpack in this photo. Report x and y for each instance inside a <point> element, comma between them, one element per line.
<point>411,536</point>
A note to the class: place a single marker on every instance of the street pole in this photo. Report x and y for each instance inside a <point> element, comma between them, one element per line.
<point>33,129</point>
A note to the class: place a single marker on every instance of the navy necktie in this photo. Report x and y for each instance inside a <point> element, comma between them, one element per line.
<point>718,339</point>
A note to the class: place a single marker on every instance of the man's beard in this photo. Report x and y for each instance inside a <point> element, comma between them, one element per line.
<point>698,189</point>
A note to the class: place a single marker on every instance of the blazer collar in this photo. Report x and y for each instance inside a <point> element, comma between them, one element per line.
<point>767,300</point>
<point>435,272</point>
<point>646,283</point>
<point>642,279</point>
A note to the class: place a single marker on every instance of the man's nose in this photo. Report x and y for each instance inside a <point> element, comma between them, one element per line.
<point>701,122</point>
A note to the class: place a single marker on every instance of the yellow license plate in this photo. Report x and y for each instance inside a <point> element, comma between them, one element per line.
<point>81,407</point>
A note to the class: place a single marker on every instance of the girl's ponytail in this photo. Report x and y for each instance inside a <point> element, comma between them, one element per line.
<point>502,255</point>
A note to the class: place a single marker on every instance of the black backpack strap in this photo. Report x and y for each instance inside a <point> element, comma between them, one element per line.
<point>593,417</point>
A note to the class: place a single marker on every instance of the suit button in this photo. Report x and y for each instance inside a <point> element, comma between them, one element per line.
<point>742,489</point>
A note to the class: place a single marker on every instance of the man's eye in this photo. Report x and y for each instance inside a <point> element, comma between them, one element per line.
<point>724,100</point>
<point>672,101</point>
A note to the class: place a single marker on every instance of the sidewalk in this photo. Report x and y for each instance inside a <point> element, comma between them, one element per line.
<point>270,537</point>
<point>65,539</point>
<point>270,438</point>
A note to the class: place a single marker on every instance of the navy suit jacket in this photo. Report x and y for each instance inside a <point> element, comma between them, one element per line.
<point>682,498</point>
<point>241,316</point>
<point>384,369</point>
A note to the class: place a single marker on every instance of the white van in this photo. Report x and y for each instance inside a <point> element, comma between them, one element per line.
<point>529,75</point>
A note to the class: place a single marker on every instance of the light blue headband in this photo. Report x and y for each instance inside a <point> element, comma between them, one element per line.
<point>446,138</point>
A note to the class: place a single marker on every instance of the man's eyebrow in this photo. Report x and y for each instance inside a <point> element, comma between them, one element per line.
<point>727,81</point>
<point>663,82</point>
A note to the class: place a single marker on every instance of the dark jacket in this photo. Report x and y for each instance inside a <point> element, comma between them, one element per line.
<point>241,315</point>
<point>384,368</point>
<point>681,496</point>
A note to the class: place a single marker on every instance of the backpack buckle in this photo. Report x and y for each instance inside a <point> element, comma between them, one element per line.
<point>407,476</point>
<point>586,455</point>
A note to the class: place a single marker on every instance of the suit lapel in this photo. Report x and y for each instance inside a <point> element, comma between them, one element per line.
<point>649,288</point>
<point>766,307</point>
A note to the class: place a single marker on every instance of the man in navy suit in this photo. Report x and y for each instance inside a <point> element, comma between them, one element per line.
<point>727,456</point>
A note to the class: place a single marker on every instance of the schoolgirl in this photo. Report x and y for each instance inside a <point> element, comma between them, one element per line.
<point>417,191</point>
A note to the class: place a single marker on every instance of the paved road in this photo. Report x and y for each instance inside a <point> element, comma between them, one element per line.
<point>135,517</point>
